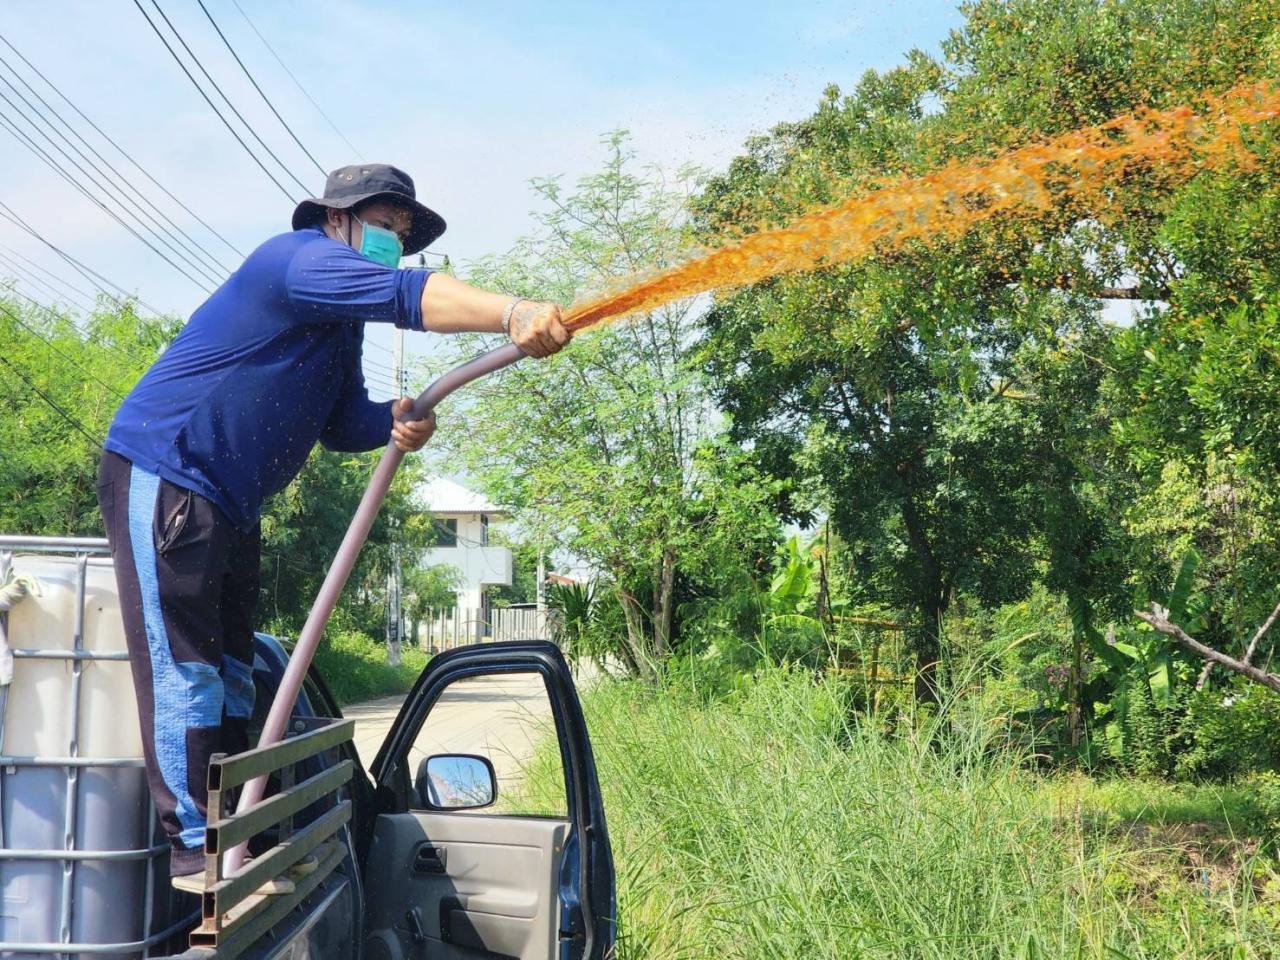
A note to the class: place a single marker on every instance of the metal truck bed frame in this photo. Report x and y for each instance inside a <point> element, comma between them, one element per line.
<point>234,916</point>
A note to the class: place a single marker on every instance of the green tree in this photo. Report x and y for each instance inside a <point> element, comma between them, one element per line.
<point>61,377</point>
<point>607,450</point>
<point>1201,426</point>
<point>426,588</point>
<point>906,384</point>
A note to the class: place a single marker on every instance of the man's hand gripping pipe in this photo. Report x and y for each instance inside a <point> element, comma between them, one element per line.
<point>343,562</point>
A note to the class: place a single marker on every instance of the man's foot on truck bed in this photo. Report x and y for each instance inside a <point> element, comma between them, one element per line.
<point>194,883</point>
<point>189,883</point>
<point>312,860</point>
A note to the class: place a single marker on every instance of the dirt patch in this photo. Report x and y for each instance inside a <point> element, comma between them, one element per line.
<point>1203,854</point>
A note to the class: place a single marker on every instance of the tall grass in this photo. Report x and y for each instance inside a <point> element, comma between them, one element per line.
<point>775,825</point>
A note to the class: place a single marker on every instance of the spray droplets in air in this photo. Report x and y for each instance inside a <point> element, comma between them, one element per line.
<point>1080,169</point>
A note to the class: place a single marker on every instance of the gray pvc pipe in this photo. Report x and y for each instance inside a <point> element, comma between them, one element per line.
<point>344,561</point>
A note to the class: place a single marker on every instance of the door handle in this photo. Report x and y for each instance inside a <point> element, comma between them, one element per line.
<point>414,918</point>
<point>429,859</point>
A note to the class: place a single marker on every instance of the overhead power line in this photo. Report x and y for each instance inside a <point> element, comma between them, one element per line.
<point>90,336</point>
<point>61,171</point>
<point>227,100</point>
<point>50,401</point>
<point>79,266</point>
<point>265,99</point>
<point>87,334</point>
<point>203,257</point>
<point>382,382</point>
<point>296,82</point>
<point>50,344</point>
<point>207,99</point>
<point>128,209</point>
<point>17,271</point>
<point>22,269</point>
<point>141,169</point>
<point>120,201</point>
<point>62,283</point>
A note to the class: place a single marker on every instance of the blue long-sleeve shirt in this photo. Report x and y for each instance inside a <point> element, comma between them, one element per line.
<point>265,367</point>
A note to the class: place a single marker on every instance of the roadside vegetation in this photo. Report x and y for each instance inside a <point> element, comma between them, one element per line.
<point>904,571</point>
<point>355,667</point>
<point>933,723</point>
<point>776,822</point>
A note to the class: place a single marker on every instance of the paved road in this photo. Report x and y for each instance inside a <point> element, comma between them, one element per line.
<point>373,721</point>
<point>500,717</point>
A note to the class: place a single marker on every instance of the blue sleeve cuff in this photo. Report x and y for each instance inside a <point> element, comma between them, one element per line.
<point>375,427</point>
<point>409,287</point>
<point>356,427</point>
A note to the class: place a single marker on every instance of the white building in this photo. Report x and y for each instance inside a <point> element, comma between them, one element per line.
<point>462,520</point>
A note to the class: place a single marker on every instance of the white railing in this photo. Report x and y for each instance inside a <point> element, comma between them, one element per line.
<point>450,627</point>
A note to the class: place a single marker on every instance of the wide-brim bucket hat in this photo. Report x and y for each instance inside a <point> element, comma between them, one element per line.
<point>348,186</point>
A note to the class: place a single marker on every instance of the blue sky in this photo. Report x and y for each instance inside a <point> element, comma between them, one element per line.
<point>473,99</point>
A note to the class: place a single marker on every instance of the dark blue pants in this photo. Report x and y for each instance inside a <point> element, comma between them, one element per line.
<point>188,582</point>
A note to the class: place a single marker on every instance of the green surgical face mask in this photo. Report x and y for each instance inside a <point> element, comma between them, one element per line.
<point>379,244</point>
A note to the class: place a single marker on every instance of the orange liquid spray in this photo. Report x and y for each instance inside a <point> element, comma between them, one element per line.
<point>1079,167</point>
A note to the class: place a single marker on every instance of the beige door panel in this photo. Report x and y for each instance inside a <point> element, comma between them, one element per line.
<point>489,884</point>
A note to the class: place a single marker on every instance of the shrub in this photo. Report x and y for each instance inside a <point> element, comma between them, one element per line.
<point>1265,791</point>
<point>354,665</point>
<point>1232,730</point>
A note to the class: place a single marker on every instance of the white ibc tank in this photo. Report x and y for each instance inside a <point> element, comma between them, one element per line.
<point>82,865</point>
<point>38,719</point>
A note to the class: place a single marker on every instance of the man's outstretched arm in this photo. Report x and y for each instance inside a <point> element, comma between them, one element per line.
<point>451,306</point>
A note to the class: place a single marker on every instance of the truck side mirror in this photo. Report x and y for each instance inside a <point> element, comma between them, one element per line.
<point>456,781</point>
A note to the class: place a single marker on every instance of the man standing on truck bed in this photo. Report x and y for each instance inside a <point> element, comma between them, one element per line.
<point>225,418</point>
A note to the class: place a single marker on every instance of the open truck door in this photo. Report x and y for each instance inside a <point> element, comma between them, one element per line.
<point>465,861</point>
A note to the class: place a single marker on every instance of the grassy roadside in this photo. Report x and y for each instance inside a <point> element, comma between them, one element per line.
<point>355,667</point>
<point>771,826</point>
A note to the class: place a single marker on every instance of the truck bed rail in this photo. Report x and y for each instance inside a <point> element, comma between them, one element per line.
<point>233,913</point>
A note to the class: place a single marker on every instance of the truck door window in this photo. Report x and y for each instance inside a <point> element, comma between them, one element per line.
<point>505,718</point>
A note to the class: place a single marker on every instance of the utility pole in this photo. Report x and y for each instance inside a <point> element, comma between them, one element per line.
<point>395,621</point>
<point>540,592</point>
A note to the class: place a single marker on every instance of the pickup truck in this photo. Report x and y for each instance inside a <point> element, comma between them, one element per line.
<point>394,861</point>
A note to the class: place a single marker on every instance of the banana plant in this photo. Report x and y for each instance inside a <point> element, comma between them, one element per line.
<point>1152,651</point>
<point>794,586</point>
<point>1144,656</point>
<point>790,627</point>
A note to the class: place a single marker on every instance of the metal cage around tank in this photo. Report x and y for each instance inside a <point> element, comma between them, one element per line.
<point>69,869</point>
